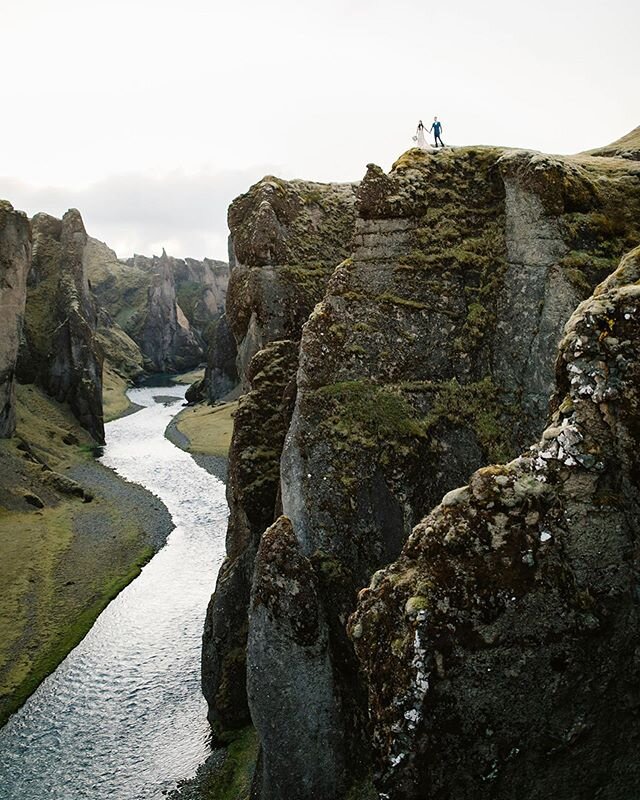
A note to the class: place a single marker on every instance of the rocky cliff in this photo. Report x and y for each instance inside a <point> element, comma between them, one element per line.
<point>430,355</point>
<point>501,648</point>
<point>59,350</point>
<point>15,260</point>
<point>286,238</point>
<point>165,335</point>
<point>165,305</point>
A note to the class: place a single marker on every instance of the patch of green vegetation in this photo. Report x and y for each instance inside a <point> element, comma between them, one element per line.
<point>597,240</point>
<point>367,414</point>
<point>207,428</point>
<point>114,399</point>
<point>407,302</point>
<point>56,572</point>
<point>478,405</point>
<point>20,678</point>
<point>312,197</point>
<point>363,790</point>
<point>232,779</point>
<point>310,280</point>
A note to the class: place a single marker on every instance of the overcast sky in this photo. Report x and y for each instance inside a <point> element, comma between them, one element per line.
<point>151,115</point>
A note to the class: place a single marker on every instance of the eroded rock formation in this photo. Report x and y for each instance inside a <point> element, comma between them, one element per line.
<point>501,649</point>
<point>165,334</point>
<point>287,237</point>
<point>15,260</point>
<point>430,355</point>
<point>165,305</point>
<point>59,351</point>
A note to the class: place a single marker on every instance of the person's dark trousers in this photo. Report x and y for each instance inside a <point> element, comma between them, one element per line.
<point>438,139</point>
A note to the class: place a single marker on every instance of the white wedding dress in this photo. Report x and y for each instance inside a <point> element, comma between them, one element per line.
<point>420,140</point>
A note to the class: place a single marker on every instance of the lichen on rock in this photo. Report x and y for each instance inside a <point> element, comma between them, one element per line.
<point>501,647</point>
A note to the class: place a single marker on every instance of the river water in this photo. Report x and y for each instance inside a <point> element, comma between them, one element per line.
<point>123,717</point>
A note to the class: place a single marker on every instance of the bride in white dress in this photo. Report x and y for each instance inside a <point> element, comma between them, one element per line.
<point>419,137</point>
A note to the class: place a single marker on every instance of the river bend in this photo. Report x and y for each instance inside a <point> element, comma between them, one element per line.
<point>122,717</point>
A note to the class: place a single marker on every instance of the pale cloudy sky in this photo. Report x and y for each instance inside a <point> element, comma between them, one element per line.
<point>151,115</point>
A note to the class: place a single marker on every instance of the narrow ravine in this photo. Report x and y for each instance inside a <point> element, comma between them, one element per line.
<point>123,717</point>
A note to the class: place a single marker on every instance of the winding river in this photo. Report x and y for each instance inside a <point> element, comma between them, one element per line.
<point>123,717</point>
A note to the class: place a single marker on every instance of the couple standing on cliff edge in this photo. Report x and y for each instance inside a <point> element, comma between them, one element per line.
<point>436,128</point>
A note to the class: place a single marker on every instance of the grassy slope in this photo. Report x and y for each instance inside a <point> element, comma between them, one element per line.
<point>628,143</point>
<point>190,377</point>
<point>59,565</point>
<point>208,428</point>
<point>115,402</point>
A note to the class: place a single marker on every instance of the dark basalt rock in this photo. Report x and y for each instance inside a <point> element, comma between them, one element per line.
<point>221,374</point>
<point>261,420</point>
<point>430,354</point>
<point>501,649</point>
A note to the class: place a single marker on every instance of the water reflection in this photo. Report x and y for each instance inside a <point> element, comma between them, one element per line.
<point>122,717</point>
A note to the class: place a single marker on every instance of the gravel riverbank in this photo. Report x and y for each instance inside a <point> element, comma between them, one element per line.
<point>138,503</point>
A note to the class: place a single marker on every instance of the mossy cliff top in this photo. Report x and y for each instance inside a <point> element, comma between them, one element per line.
<point>499,649</point>
<point>287,237</point>
<point>280,222</point>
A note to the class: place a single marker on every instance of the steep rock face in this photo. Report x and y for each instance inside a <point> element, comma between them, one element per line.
<point>165,305</point>
<point>201,287</point>
<point>501,649</point>
<point>166,337</point>
<point>221,374</point>
<point>288,649</point>
<point>430,355</point>
<point>287,236</point>
<point>260,424</point>
<point>15,260</point>
<point>59,351</point>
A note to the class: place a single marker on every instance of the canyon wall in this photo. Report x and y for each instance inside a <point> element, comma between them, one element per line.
<point>430,355</point>
<point>59,350</point>
<point>167,306</point>
<point>15,261</point>
<point>286,237</point>
<point>501,648</point>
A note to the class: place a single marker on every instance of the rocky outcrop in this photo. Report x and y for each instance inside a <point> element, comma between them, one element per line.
<point>15,260</point>
<point>626,147</point>
<point>165,305</point>
<point>288,651</point>
<point>59,351</point>
<point>501,649</point>
<point>286,239</point>
<point>260,424</point>
<point>430,355</point>
<point>165,334</point>
<point>221,374</point>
